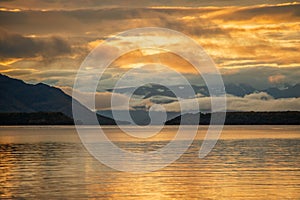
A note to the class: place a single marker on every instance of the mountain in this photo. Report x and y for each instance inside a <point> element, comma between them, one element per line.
<point>242,118</point>
<point>156,92</point>
<point>20,97</point>
<point>288,92</point>
<point>151,90</point>
<point>140,117</point>
<point>239,90</point>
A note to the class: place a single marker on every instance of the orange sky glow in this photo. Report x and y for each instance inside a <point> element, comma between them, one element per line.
<point>49,44</point>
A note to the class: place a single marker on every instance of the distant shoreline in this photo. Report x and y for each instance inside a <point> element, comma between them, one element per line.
<point>242,118</point>
<point>232,118</point>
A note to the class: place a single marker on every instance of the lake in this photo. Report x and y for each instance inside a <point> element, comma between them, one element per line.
<point>248,162</point>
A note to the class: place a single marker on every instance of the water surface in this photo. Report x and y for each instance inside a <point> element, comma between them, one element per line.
<point>248,162</point>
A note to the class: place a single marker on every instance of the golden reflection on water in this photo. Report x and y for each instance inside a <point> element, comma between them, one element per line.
<point>249,162</point>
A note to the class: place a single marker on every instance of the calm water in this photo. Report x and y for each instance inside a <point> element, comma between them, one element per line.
<point>249,162</point>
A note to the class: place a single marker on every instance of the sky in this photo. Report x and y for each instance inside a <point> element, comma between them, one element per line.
<point>252,42</point>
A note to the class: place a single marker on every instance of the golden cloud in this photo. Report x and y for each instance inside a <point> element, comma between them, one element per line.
<point>236,37</point>
<point>164,58</point>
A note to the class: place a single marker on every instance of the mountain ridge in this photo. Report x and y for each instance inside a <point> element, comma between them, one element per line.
<point>239,90</point>
<point>20,97</point>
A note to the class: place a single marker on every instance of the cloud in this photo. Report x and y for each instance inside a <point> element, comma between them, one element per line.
<point>276,78</point>
<point>250,44</point>
<point>102,99</point>
<point>259,77</point>
<point>103,22</point>
<point>252,102</point>
<point>13,45</point>
<point>80,4</point>
<point>164,58</point>
<point>262,102</point>
<point>278,12</point>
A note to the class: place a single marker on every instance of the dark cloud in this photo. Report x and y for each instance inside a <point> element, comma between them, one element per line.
<point>288,11</point>
<point>19,72</point>
<point>79,4</point>
<point>259,77</point>
<point>13,45</point>
<point>103,22</point>
<point>249,44</point>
